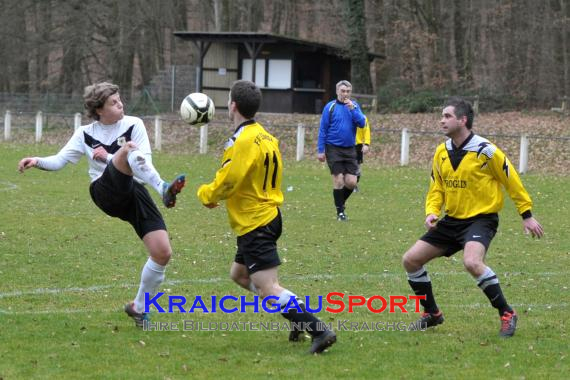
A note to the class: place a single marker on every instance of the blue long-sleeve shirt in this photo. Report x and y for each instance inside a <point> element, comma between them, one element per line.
<point>339,126</point>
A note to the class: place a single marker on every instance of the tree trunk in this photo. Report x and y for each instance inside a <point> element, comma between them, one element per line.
<point>357,46</point>
<point>565,32</point>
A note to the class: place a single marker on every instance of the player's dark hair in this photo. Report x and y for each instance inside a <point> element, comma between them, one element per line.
<point>95,96</point>
<point>462,108</point>
<point>247,97</point>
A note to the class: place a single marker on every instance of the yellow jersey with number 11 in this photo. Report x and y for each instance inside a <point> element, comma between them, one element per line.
<point>249,178</point>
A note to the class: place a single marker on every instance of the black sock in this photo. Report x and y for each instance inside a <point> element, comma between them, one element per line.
<point>315,328</point>
<point>489,284</point>
<point>338,195</point>
<point>421,285</point>
<point>495,295</point>
<point>346,193</point>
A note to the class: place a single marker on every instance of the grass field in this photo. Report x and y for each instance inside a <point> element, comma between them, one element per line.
<point>67,269</point>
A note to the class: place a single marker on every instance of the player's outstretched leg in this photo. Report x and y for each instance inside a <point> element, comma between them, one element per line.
<point>170,190</point>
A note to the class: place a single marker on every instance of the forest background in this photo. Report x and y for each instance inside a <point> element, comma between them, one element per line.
<point>511,54</point>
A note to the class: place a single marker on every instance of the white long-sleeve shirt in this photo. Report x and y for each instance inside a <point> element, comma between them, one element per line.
<point>88,137</point>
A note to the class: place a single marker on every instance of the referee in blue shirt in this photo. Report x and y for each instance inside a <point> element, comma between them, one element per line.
<point>337,138</point>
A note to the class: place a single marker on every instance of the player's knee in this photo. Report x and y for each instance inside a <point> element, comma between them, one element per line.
<point>410,262</point>
<point>267,290</point>
<point>235,276</point>
<point>239,278</point>
<point>120,157</point>
<point>350,182</point>
<point>472,265</point>
<point>406,262</point>
<point>162,255</point>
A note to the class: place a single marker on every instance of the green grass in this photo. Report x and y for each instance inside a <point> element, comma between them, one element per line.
<point>67,269</point>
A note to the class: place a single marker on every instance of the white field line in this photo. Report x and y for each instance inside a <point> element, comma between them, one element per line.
<point>323,277</point>
<point>5,186</point>
<point>99,288</point>
<point>518,306</point>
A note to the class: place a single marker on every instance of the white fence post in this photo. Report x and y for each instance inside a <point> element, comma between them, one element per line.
<point>39,126</point>
<point>8,126</point>
<point>204,139</point>
<point>523,159</point>
<point>157,133</point>
<point>405,150</point>
<point>76,121</point>
<point>300,141</point>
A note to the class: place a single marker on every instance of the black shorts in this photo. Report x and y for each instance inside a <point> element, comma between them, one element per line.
<point>359,154</point>
<point>120,196</point>
<point>341,160</point>
<point>257,249</point>
<point>452,234</point>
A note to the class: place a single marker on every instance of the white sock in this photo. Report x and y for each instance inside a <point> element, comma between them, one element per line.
<point>421,275</point>
<point>285,297</point>
<point>142,168</point>
<point>487,278</point>
<point>151,277</point>
<point>252,288</point>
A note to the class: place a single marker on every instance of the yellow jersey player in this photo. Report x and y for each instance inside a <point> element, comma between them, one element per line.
<point>362,147</point>
<point>250,181</point>
<point>468,174</point>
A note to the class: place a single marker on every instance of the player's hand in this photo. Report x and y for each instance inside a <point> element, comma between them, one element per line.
<point>431,221</point>
<point>349,104</point>
<point>211,205</point>
<point>532,227</point>
<point>365,149</point>
<point>321,157</point>
<point>26,163</point>
<point>130,145</point>
<point>100,154</point>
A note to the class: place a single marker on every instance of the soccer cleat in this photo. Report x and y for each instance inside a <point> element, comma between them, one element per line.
<point>323,341</point>
<point>295,334</point>
<point>341,217</point>
<point>508,324</point>
<point>139,318</point>
<point>171,190</point>
<point>429,320</point>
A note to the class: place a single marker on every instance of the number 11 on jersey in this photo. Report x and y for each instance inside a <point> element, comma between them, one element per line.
<point>267,163</point>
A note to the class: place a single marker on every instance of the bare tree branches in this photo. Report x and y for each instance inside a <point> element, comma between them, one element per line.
<point>519,48</point>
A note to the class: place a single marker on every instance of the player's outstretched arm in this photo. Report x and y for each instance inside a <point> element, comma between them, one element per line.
<point>531,226</point>
<point>27,163</point>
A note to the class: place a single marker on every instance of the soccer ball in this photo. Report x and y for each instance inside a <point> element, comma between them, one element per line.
<point>197,109</point>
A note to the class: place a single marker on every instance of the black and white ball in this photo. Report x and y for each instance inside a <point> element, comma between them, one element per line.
<point>197,109</point>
